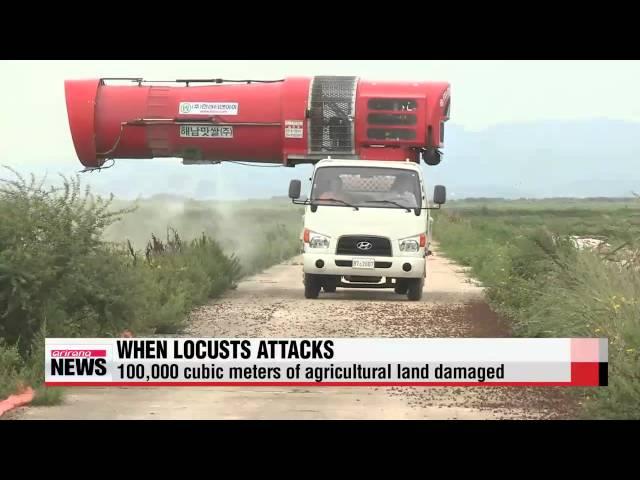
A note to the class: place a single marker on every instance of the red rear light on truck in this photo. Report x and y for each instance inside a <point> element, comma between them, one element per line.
<point>423,240</point>
<point>305,235</point>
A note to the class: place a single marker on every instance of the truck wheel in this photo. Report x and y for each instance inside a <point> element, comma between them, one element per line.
<point>401,287</point>
<point>414,291</point>
<point>312,285</point>
<point>330,284</point>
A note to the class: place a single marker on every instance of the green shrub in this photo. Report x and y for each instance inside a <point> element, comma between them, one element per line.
<point>60,277</point>
<point>11,369</point>
<point>545,287</point>
<point>53,265</point>
<point>596,298</point>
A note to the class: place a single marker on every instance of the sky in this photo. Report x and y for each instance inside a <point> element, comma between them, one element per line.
<point>34,129</point>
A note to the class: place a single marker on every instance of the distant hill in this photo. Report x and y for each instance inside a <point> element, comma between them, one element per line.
<point>542,159</point>
<point>587,158</point>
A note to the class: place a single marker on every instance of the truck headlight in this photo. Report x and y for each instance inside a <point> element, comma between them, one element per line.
<point>319,241</point>
<point>409,245</point>
<point>412,244</point>
<point>316,240</point>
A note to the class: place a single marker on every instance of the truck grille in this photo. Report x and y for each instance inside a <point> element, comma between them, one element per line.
<point>348,245</point>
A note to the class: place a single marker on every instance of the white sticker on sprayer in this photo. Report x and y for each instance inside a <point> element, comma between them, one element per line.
<point>293,129</point>
<point>208,108</point>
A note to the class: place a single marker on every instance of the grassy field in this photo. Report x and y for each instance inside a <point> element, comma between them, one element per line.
<point>554,204</point>
<point>72,264</point>
<point>75,265</point>
<point>544,286</point>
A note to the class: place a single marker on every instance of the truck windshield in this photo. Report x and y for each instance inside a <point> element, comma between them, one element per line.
<point>367,187</point>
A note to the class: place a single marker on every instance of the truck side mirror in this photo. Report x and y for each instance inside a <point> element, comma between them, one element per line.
<point>439,194</point>
<point>294,189</point>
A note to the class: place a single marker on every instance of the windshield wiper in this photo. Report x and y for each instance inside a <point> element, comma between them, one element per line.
<point>335,200</point>
<point>391,202</point>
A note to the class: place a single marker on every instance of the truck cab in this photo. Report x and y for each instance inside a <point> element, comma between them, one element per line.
<point>367,224</point>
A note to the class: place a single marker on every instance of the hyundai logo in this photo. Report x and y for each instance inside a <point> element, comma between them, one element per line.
<point>364,245</point>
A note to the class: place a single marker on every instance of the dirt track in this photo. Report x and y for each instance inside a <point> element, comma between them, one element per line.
<point>272,304</point>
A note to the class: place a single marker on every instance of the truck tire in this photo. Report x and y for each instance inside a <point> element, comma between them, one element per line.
<point>312,285</point>
<point>330,284</point>
<point>414,291</point>
<point>401,287</point>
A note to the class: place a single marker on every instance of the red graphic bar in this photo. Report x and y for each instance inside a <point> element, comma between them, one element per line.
<point>585,374</point>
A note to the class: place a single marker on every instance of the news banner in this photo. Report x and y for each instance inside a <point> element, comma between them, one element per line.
<point>326,362</point>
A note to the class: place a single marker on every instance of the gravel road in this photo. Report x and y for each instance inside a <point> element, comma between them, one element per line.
<point>272,304</point>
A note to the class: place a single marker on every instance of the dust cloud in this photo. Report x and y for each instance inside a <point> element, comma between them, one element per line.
<point>247,228</point>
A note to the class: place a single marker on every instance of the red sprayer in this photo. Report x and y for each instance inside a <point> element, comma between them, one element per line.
<point>290,121</point>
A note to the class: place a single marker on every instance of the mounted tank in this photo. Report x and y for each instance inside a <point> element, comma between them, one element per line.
<point>290,121</point>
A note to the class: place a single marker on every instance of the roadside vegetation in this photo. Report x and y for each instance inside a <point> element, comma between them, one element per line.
<point>76,265</point>
<point>545,282</point>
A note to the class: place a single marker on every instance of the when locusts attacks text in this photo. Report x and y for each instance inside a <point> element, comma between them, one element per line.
<point>225,349</point>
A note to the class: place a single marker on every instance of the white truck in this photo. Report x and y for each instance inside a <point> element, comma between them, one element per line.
<point>367,224</point>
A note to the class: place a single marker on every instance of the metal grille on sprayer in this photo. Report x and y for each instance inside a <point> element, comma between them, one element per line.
<point>332,109</point>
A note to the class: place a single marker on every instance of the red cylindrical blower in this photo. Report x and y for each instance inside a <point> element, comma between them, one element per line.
<point>291,121</point>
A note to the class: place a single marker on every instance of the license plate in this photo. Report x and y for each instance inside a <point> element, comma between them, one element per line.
<point>364,263</point>
<point>205,131</point>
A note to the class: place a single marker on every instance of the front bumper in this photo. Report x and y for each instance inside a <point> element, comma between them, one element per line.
<point>390,267</point>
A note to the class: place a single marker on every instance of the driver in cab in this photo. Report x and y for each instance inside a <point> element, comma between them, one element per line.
<point>333,189</point>
<point>404,192</point>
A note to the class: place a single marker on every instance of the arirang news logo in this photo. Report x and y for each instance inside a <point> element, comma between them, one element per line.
<point>79,362</point>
